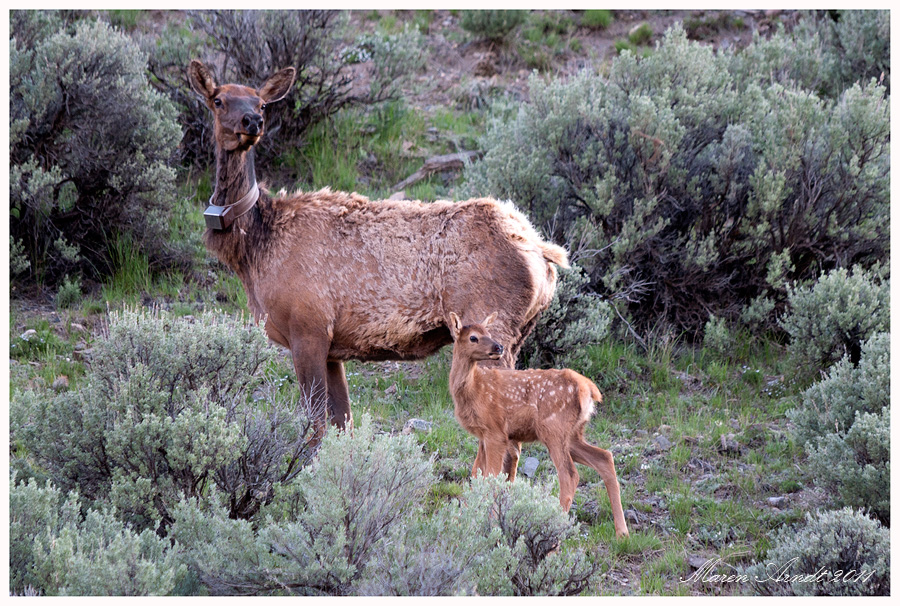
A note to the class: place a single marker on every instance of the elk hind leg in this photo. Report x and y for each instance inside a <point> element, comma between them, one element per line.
<point>566,472</point>
<point>602,461</point>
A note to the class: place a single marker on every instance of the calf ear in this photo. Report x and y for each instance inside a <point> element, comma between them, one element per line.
<point>278,85</point>
<point>201,79</point>
<point>489,319</point>
<point>455,325</point>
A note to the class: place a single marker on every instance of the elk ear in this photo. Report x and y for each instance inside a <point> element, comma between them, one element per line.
<point>278,85</point>
<point>489,319</point>
<point>201,79</point>
<point>455,325</point>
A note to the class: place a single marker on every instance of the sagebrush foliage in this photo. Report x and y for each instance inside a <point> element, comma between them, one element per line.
<point>844,423</point>
<point>695,192</point>
<point>491,24</point>
<point>838,553</point>
<point>352,524</point>
<point>574,320</point>
<point>832,317</point>
<point>323,528</point>
<point>164,413</point>
<point>90,148</point>
<point>57,549</point>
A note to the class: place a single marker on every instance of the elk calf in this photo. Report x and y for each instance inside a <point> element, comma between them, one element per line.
<point>504,408</point>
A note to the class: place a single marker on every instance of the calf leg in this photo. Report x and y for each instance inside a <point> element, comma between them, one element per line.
<point>602,461</point>
<point>494,452</point>
<point>565,470</point>
<point>511,459</point>
<point>478,465</point>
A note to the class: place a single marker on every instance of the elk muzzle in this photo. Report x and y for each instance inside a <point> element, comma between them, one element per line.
<point>252,123</point>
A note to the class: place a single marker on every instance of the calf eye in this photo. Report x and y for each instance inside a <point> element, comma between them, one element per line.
<point>473,339</point>
<point>217,102</point>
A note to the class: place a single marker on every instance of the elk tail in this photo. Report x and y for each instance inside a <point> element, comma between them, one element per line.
<point>555,254</point>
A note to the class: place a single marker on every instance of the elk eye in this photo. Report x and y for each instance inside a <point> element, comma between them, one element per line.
<point>262,107</point>
<point>473,339</point>
<point>217,102</point>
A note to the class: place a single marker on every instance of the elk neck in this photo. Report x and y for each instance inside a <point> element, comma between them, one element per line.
<point>463,371</point>
<point>235,175</point>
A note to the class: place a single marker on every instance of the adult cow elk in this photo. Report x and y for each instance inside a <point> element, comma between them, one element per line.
<point>337,276</point>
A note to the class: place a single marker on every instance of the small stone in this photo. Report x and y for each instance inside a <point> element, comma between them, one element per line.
<point>529,466</point>
<point>61,383</point>
<point>26,336</point>
<point>728,445</point>
<point>416,425</point>
<point>697,562</point>
<point>84,355</point>
<point>779,502</point>
<point>662,442</point>
<point>641,433</point>
<point>391,390</point>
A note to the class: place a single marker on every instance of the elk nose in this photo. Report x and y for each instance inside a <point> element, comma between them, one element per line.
<point>252,122</point>
<point>498,349</point>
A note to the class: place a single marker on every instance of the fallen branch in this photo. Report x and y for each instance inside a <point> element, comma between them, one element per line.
<point>439,164</point>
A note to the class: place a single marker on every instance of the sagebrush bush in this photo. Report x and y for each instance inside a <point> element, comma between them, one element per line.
<point>825,52</point>
<point>844,423</point>
<point>831,405</point>
<point>322,529</point>
<point>693,191</point>
<point>165,413</point>
<point>575,319</point>
<point>56,549</point>
<point>90,146</point>
<point>491,24</point>
<point>855,468</point>
<point>838,553</point>
<point>831,318</point>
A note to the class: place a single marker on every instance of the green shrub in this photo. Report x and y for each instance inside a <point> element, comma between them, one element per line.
<point>491,24</point>
<point>693,190</point>
<point>840,552</point>
<point>855,468</point>
<point>824,52</point>
<point>831,318</point>
<point>394,57</point>
<point>844,423</point>
<point>717,336</point>
<point>164,414</point>
<point>69,292</point>
<point>831,405</point>
<point>642,34</point>
<point>57,550</point>
<point>90,143</point>
<point>599,19</point>
<point>574,320</point>
<point>322,529</point>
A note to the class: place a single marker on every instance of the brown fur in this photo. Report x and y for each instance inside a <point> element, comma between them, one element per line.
<point>504,407</point>
<point>340,277</point>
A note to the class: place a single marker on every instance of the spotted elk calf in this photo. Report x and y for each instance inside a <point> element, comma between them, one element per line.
<point>504,407</point>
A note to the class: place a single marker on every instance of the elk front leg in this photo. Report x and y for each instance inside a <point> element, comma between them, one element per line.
<point>511,459</point>
<point>338,396</point>
<point>310,363</point>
